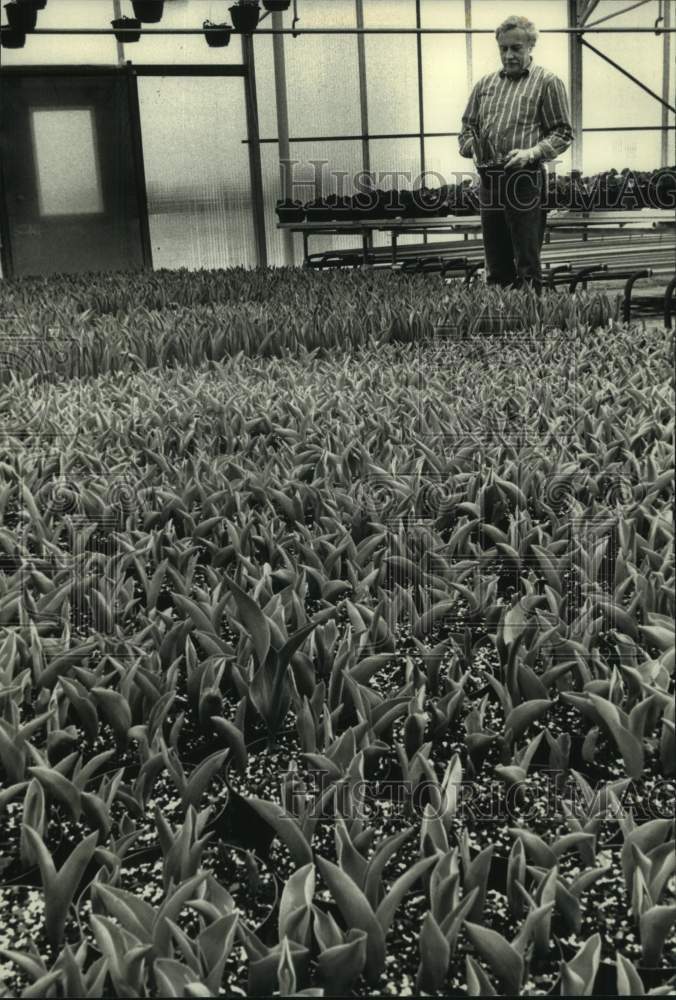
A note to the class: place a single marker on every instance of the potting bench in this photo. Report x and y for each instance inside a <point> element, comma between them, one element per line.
<point>598,222</point>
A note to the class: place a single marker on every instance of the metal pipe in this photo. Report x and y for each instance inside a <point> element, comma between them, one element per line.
<point>626,303</point>
<point>587,10</point>
<point>136,139</point>
<point>255,171</point>
<point>117,12</point>
<point>444,135</point>
<point>284,153</point>
<point>421,88</point>
<point>363,102</point>
<point>625,72</point>
<point>374,135</point>
<point>575,85</point>
<point>348,31</point>
<point>468,44</point>
<point>666,85</point>
<point>141,69</point>
<point>450,135</point>
<point>363,89</point>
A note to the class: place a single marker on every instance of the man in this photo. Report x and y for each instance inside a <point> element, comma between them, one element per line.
<point>515,120</point>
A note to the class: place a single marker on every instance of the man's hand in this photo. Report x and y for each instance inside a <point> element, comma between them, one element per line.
<point>517,158</point>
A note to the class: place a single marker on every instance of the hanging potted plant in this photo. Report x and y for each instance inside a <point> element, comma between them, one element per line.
<point>245,15</point>
<point>21,17</point>
<point>217,35</point>
<point>276,5</point>
<point>148,11</point>
<point>127,29</point>
<point>11,39</point>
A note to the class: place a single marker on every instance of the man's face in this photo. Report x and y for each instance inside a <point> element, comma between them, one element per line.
<point>515,50</point>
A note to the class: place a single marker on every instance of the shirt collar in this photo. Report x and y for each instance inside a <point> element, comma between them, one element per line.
<point>524,72</point>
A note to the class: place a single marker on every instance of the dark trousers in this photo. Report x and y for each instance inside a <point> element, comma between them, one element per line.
<point>513,217</point>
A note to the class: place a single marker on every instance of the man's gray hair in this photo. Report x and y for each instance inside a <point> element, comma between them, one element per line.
<point>518,22</point>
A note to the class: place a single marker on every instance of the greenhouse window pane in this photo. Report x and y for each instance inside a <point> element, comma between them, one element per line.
<point>266,96</point>
<point>635,150</point>
<point>323,168</point>
<point>328,13</point>
<point>392,96</point>
<point>396,163</point>
<point>624,102</point>
<point>391,67</point>
<point>197,171</point>
<point>444,82</point>
<point>322,73</point>
<point>444,61</point>
<point>66,159</point>
<point>443,159</point>
<point>317,106</point>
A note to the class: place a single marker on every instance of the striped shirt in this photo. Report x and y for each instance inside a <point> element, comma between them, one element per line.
<point>528,112</point>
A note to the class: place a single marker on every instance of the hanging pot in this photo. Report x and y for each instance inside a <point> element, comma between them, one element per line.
<point>290,211</point>
<point>133,26</point>
<point>148,11</point>
<point>11,39</point>
<point>276,5</point>
<point>217,35</point>
<point>21,16</point>
<point>245,17</point>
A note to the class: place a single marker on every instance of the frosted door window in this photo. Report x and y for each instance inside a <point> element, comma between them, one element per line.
<point>68,176</point>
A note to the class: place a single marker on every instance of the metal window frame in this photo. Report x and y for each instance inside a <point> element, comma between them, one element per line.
<point>579,12</point>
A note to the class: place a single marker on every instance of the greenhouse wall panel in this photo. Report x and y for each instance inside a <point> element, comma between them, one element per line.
<point>197,171</point>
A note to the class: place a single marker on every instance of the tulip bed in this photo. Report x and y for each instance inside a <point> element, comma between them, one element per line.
<point>336,639</point>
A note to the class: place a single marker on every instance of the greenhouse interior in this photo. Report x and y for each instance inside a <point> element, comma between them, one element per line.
<point>337,586</point>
